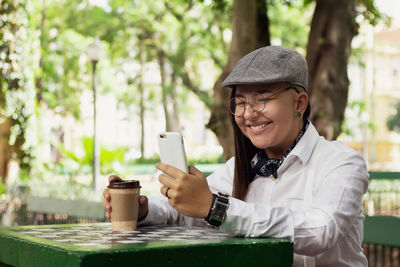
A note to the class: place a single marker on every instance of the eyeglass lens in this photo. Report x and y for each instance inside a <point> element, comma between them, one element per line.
<point>238,104</point>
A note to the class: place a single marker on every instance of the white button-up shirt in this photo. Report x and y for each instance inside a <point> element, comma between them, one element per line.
<point>331,229</point>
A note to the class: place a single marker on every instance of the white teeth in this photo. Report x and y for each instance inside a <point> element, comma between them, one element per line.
<point>256,127</point>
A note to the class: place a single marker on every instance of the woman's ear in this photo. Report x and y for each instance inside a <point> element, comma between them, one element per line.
<point>302,102</point>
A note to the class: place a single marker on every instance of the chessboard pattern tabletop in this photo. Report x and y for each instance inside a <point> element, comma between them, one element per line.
<point>159,245</point>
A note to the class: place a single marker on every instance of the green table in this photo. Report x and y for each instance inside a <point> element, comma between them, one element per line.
<point>162,245</point>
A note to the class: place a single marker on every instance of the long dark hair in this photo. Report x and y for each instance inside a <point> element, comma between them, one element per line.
<point>244,153</point>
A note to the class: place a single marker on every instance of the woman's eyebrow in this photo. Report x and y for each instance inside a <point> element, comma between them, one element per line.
<point>264,91</point>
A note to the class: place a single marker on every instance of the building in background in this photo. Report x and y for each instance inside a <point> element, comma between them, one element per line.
<point>375,89</point>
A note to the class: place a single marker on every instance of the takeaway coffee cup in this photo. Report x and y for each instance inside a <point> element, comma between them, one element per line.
<point>125,204</point>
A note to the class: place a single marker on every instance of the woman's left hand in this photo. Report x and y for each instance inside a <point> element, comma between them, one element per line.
<point>188,193</point>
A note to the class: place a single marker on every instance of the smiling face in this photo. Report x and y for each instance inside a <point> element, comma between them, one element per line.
<point>276,127</point>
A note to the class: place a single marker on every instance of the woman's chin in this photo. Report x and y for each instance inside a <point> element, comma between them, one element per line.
<point>260,144</point>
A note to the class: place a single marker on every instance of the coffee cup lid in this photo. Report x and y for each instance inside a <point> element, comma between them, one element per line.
<point>124,184</point>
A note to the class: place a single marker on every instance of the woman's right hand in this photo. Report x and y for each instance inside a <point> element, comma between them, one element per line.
<point>143,201</point>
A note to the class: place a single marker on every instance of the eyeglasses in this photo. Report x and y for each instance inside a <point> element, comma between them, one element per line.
<point>256,101</point>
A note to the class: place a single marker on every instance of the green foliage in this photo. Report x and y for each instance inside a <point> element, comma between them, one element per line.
<point>357,56</point>
<point>220,6</point>
<point>393,122</point>
<point>357,109</point>
<point>185,31</point>
<point>59,32</point>
<point>2,188</point>
<point>154,159</point>
<point>75,164</point>
<point>56,185</point>
<point>16,96</point>
<point>207,159</point>
<point>65,75</point>
<point>368,10</point>
<point>204,159</point>
<point>289,22</point>
<point>365,8</point>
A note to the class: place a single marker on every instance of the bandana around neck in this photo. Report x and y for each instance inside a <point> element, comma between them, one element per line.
<point>268,166</point>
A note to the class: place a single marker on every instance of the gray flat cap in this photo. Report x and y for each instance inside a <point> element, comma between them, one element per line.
<point>269,64</point>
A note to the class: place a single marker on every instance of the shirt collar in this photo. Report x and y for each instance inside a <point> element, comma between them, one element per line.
<point>306,145</point>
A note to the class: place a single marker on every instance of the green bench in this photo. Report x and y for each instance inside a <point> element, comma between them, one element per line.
<point>382,240</point>
<point>75,208</point>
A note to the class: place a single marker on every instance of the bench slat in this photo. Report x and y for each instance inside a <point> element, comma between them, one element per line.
<point>77,208</point>
<point>383,230</point>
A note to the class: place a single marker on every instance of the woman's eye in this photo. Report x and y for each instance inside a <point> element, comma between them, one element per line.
<point>265,99</point>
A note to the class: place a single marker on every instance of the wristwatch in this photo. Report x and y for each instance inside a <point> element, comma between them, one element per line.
<point>218,209</point>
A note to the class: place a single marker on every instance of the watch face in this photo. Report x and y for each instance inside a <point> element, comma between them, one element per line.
<point>219,212</point>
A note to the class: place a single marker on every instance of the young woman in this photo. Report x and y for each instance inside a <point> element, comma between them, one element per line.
<point>284,181</point>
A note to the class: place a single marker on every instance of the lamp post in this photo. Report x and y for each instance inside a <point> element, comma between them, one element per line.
<point>95,51</point>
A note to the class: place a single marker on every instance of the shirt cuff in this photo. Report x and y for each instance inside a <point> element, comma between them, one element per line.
<point>156,214</point>
<point>235,220</point>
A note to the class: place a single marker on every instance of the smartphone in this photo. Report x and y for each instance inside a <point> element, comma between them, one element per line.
<point>172,150</point>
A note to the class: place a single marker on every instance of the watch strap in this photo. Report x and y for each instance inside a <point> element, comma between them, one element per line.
<point>214,196</point>
<point>218,209</point>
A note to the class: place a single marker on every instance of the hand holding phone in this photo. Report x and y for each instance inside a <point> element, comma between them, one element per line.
<point>172,150</point>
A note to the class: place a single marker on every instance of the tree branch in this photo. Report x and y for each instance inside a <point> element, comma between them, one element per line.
<point>203,96</point>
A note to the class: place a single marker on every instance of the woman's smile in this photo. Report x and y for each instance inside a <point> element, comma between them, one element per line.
<point>258,128</point>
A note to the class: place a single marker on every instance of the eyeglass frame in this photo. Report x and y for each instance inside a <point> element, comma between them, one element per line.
<point>264,100</point>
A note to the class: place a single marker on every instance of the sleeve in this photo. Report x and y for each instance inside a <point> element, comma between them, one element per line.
<point>222,179</point>
<point>161,212</point>
<point>337,203</point>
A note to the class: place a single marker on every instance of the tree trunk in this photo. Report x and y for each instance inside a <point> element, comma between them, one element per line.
<point>176,126</point>
<point>141,92</point>
<point>164,93</point>
<point>249,32</point>
<point>332,29</point>
<point>168,96</point>
<point>5,149</point>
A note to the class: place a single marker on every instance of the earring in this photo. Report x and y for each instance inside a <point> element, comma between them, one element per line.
<point>298,114</point>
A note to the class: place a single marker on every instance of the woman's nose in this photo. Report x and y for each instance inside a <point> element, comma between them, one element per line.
<point>249,113</point>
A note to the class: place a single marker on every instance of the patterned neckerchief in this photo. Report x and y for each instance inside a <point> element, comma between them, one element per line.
<point>268,166</point>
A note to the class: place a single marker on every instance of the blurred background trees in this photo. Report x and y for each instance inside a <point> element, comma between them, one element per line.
<point>393,122</point>
<point>163,62</point>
